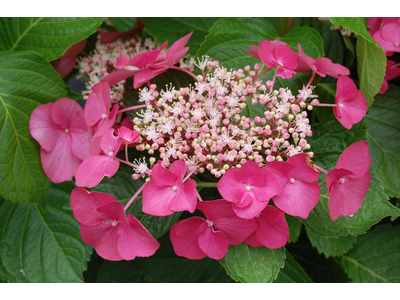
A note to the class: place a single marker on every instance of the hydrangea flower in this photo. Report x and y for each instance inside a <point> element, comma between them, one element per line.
<point>105,226</point>
<point>95,167</point>
<point>272,231</point>
<point>63,136</point>
<point>248,188</point>
<point>351,105</point>
<point>166,192</point>
<point>349,181</point>
<point>195,238</point>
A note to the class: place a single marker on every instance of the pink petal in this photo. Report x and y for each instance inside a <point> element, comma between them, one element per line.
<point>98,103</point>
<point>75,49</point>
<point>252,240</point>
<point>253,51</point>
<point>164,178</point>
<point>224,219</point>
<point>251,210</point>
<point>335,175</point>
<point>110,143</point>
<point>281,170</point>
<point>64,66</point>
<point>142,76</point>
<point>117,76</point>
<point>356,158</point>
<point>157,201</point>
<point>106,123</point>
<point>391,33</point>
<point>286,56</point>
<point>184,237</point>
<point>250,174</point>
<point>285,73</point>
<point>60,164</point>
<point>80,143</point>
<point>43,129</point>
<point>273,231</point>
<point>229,187</point>
<point>346,198</point>
<point>122,61</point>
<point>269,188</point>
<point>298,198</point>
<point>306,59</point>
<point>178,168</point>
<point>302,170</point>
<point>94,168</point>
<point>104,238</point>
<point>213,243</point>
<point>84,205</point>
<point>266,52</point>
<point>326,66</point>
<point>388,47</point>
<point>179,44</point>
<point>114,211</point>
<point>185,198</point>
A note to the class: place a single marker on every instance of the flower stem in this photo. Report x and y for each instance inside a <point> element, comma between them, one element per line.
<point>325,104</point>
<point>198,196</point>
<point>132,108</point>
<point>207,184</point>
<point>319,168</point>
<point>134,196</point>
<point>262,73</point>
<point>311,80</point>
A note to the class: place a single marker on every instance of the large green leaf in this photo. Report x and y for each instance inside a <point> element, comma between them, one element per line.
<point>371,68</point>
<point>26,81</point>
<point>384,139</point>
<point>331,246</point>
<point>172,29</point>
<point>375,257</point>
<point>292,272</point>
<point>295,227</point>
<point>328,142</point>
<point>123,187</point>
<point>50,37</point>
<point>41,247</point>
<point>355,24</point>
<point>123,24</point>
<point>253,264</point>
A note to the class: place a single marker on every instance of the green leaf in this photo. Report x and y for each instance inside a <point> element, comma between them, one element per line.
<point>384,139</point>
<point>229,39</point>
<point>292,272</point>
<point>253,264</point>
<point>172,29</point>
<point>41,247</point>
<point>355,24</point>
<point>328,142</point>
<point>316,266</point>
<point>375,257</point>
<point>123,187</point>
<point>26,81</point>
<point>309,39</point>
<point>371,68</point>
<point>123,24</point>
<point>50,37</point>
<point>331,246</point>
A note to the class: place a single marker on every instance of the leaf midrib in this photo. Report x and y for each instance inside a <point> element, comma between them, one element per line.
<point>25,33</point>
<point>357,264</point>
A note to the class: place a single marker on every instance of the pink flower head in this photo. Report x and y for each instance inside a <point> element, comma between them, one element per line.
<point>63,136</point>
<point>349,181</point>
<point>152,63</point>
<point>66,63</point>
<point>195,238</point>
<point>390,34</point>
<point>166,193</point>
<point>301,191</point>
<point>277,54</point>
<point>97,109</point>
<point>95,167</point>
<point>105,226</point>
<point>249,188</point>
<point>351,104</point>
<point>391,72</point>
<point>128,136</point>
<point>322,66</point>
<point>272,231</point>
<point>376,23</point>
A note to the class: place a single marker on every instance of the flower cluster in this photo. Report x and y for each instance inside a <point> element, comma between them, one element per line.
<point>262,163</point>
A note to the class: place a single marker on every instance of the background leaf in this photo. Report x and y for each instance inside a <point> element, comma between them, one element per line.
<point>253,264</point>
<point>375,257</point>
<point>41,247</point>
<point>292,272</point>
<point>172,29</point>
<point>331,246</point>
<point>383,135</point>
<point>123,24</point>
<point>26,81</point>
<point>50,37</point>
